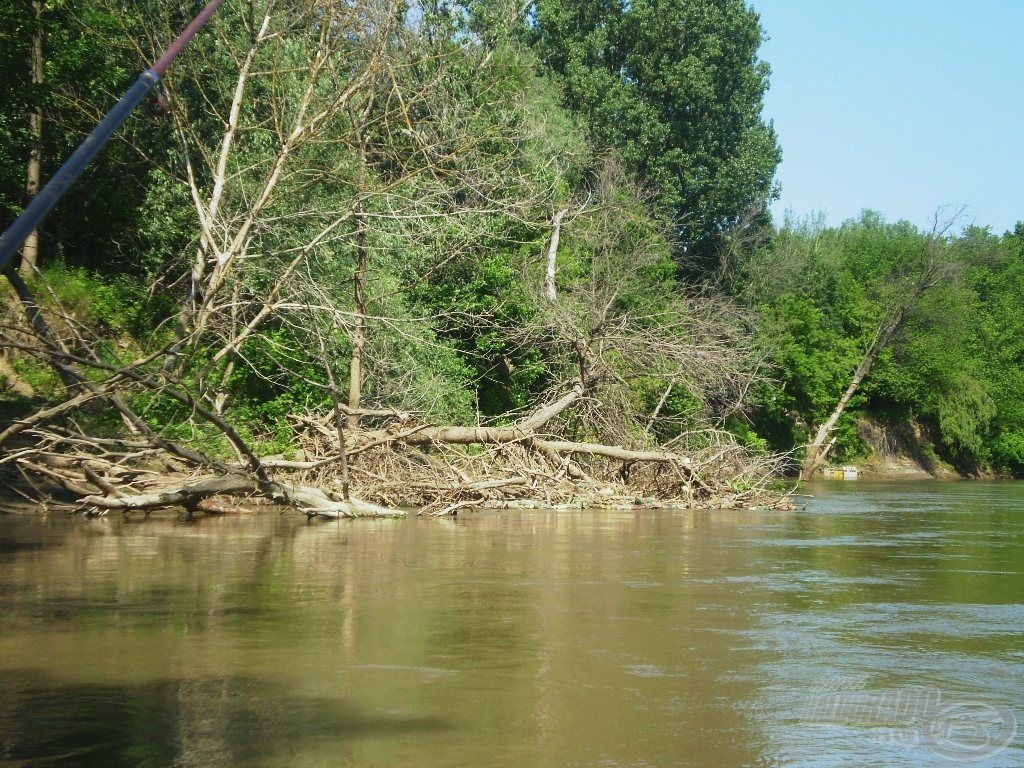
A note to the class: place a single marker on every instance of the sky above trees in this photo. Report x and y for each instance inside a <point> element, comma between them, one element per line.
<point>899,107</point>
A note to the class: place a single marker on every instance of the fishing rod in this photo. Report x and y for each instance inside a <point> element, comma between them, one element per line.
<point>33,215</point>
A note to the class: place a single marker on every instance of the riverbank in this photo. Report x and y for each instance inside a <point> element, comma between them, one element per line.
<point>906,450</point>
<point>903,468</point>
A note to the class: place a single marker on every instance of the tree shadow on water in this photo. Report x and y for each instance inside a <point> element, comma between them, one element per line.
<point>221,721</point>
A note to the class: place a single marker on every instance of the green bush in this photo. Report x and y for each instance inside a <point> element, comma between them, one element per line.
<point>107,304</point>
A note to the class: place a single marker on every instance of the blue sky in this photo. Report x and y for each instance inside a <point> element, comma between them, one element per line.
<point>900,106</point>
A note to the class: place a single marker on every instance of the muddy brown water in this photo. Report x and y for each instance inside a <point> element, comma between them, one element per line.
<point>529,638</point>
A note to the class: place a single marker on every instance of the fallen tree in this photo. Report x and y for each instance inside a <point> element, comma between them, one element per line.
<point>428,472</point>
<point>311,501</point>
<point>393,460</point>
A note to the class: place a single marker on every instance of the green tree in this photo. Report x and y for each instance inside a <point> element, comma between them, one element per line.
<point>838,301</point>
<point>63,65</point>
<point>997,278</point>
<point>677,87</point>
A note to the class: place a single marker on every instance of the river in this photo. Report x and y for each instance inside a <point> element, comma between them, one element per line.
<point>877,626</point>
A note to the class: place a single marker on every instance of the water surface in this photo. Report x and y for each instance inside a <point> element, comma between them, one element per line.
<point>526,638</point>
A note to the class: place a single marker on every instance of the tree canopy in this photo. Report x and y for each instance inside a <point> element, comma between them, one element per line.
<point>677,87</point>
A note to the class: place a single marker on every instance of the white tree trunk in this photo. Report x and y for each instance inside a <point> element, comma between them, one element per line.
<point>556,234</point>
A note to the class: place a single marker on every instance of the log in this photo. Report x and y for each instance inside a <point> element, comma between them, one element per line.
<point>549,276</point>
<point>313,501</point>
<point>525,430</point>
<point>183,496</point>
<point>613,452</point>
<point>499,435</point>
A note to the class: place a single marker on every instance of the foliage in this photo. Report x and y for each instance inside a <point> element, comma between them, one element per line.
<point>88,64</point>
<point>953,366</point>
<point>677,87</point>
<point>116,305</point>
<point>426,155</point>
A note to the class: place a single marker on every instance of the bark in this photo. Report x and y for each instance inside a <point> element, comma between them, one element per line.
<point>614,452</point>
<point>540,417</point>
<point>355,384</point>
<point>549,276</point>
<point>523,430</point>
<point>527,432</point>
<point>500,435</point>
<point>659,406</point>
<point>30,250</point>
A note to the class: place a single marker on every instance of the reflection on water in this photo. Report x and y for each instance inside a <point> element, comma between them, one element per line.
<point>508,639</point>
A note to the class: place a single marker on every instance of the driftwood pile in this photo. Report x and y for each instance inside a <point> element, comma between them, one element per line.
<point>398,466</point>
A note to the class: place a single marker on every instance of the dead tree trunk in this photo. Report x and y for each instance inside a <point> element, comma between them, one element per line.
<point>312,501</point>
<point>818,448</point>
<point>526,431</point>
<point>549,275</point>
<point>355,385</point>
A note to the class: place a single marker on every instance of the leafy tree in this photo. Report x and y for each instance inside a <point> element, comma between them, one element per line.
<point>677,87</point>
<point>837,301</point>
<point>953,365</point>
<point>87,63</point>
<point>997,278</point>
